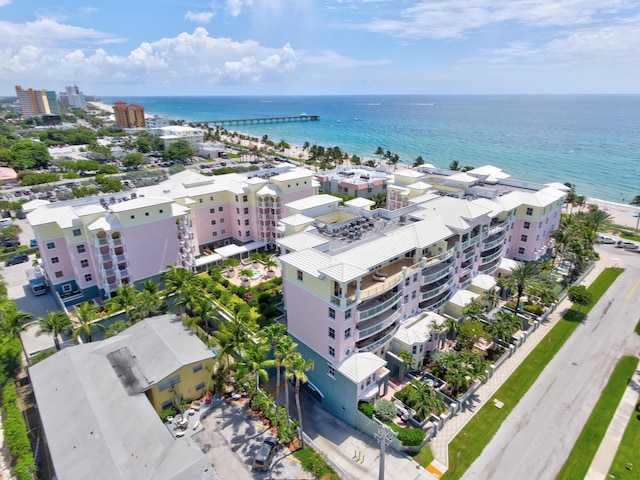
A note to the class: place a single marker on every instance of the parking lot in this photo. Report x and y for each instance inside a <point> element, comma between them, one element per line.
<point>232,436</point>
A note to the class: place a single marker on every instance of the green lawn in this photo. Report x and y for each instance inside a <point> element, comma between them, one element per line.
<point>628,451</point>
<point>469,443</point>
<point>593,432</point>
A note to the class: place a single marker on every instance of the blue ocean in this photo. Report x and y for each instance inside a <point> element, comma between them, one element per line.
<point>592,141</point>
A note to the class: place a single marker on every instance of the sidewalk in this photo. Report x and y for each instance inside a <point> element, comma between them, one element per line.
<point>611,441</point>
<point>440,444</point>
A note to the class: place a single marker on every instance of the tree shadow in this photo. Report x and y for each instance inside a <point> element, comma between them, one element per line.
<point>575,316</point>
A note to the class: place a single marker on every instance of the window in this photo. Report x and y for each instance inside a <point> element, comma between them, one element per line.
<point>529,211</point>
<point>332,352</point>
<point>521,251</point>
<point>215,234</point>
<point>212,210</point>
<point>87,277</point>
<point>247,233</point>
<point>77,232</point>
<point>245,198</point>
<point>167,404</point>
<point>347,314</point>
<point>237,210</point>
<point>347,333</point>
<point>238,221</point>
<point>211,198</point>
<point>200,386</point>
<point>146,214</point>
<point>168,383</point>
<point>414,349</point>
<point>161,211</point>
<point>406,282</point>
<point>246,222</point>
<point>197,368</point>
<point>332,333</point>
<point>415,277</point>
<point>527,225</point>
<point>413,295</point>
<point>81,248</point>
<point>51,245</point>
<point>300,275</point>
<point>55,260</point>
<point>200,200</point>
<point>331,371</point>
<point>221,209</point>
<point>58,274</point>
<point>222,220</point>
<point>84,263</point>
<point>213,222</point>
<point>523,238</point>
<point>246,210</point>
<point>332,313</point>
<point>132,217</point>
<point>223,231</point>
<point>406,298</point>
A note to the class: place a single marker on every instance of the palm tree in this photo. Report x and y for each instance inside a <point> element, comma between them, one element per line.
<point>418,161</point>
<point>284,353</point>
<point>150,286</point>
<point>490,297</point>
<point>86,313</point>
<point>255,362</point>
<point>297,369</point>
<point>14,322</point>
<point>454,165</point>
<point>177,281</point>
<point>521,277</point>
<point>452,327</point>
<point>54,323</point>
<point>380,152</point>
<point>408,360</point>
<point>473,310</point>
<point>125,299</point>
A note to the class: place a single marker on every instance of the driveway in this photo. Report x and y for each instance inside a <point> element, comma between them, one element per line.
<point>230,439</point>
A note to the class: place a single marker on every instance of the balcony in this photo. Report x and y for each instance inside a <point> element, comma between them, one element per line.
<point>383,338</point>
<point>384,279</point>
<point>108,272</point>
<point>436,302</point>
<point>439,258</point>
<point>101,242</point>
<point>121,258</point>
<point>117,242</point>
<point>442,272</point>
<point>374,325</point>
<point>492,244</point>
<point>490,258</point>
<point>489,268</point>
<point>497,228</point>
<point>123,273</point>
<point>434,292</point>
<point>373,307</point>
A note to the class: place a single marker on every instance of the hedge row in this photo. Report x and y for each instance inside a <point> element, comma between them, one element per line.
<point>15,432</point>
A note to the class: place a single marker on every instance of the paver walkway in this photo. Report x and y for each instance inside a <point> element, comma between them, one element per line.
<point>440,444</point>
<point>611,441</point>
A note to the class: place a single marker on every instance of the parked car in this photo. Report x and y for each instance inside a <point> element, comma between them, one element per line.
<point>20,258</point>
<point>33,243</point>
<point>627,245</point>
<point>21,215</point>
<point>264,457</point>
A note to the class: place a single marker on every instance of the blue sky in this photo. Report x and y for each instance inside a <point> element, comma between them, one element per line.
<point>298,47</point>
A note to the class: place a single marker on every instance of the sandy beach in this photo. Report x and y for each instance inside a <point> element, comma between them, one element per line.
<point>622,214</point>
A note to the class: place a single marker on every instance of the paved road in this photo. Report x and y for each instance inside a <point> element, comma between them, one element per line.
<point>537,437</point>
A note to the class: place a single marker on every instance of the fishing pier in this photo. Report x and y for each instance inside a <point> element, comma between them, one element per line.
<point>247,121</point>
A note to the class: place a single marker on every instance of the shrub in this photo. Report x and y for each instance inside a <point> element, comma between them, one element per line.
<point>385,410</point>
<point>411,437</point>
<point>534,308</point>
<point>366,408</point>
<point>168,412</point>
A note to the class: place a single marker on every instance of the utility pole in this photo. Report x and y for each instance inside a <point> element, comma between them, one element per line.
<point>384,435</point>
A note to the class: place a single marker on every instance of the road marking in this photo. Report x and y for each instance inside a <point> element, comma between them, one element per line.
<point>633,289</point>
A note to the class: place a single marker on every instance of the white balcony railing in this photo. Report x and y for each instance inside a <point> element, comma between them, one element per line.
<point>370,312</point>
<point>361,334</point>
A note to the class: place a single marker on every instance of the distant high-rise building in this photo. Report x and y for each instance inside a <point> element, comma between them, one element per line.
<point>128,116</point>
<point>75,96</point>
<point>37,102</point>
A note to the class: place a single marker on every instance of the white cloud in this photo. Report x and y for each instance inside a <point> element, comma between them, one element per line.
<point>456,18</point>
<point>4,3</point>
<point>191,58</point>
<point>331,59</point>
<point>199,17</point>
<point>48,32</point>
<point>234,7</point>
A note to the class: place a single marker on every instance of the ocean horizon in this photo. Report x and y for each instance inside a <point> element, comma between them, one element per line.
<point>592,141</point>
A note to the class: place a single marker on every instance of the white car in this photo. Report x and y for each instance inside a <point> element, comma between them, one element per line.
<point>605,239</point>
<point>627,245</point>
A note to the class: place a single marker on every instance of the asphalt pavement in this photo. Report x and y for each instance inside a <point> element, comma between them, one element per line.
<point>537,437</point>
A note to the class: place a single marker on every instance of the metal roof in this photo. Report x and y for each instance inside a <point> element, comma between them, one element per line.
<point>361,365</point>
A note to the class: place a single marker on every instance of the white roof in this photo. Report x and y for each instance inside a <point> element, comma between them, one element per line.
<point>360,202</point>
<point>462,298</point>
<point>30,206</point>
<point>293,174</point>
<point>301,241</point>
<point>462,177</point>
<point>484,281</point>
<point>359,366</point>
<point>508,264</point>
<point>136,203</point>
<point>297,220</point>
<point>409,173</point>
<point>456,212</point>
<point>312,202</point>
<point>490,170</point>
<point>418,329</point>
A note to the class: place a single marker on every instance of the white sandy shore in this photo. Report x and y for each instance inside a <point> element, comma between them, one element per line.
<point>622,214</point>
<point>102,106</point>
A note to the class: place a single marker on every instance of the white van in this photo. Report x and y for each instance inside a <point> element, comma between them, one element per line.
<point>605,239</point>
<point>5,222</point>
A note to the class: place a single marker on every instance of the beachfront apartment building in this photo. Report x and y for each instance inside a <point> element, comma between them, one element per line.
<point>128,116</point>
<point>91,246</point>
<point>37,102</point>
<point>172,133</point>
<point>353,276</point>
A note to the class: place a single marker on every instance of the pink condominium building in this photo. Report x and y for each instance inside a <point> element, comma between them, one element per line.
<point>352,276</point>
<point>91,246</point>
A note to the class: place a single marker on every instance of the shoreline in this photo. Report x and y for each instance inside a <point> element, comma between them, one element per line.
<point>621,213</point>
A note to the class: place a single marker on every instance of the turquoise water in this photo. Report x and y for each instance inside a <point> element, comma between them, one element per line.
<point>592,141</point>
